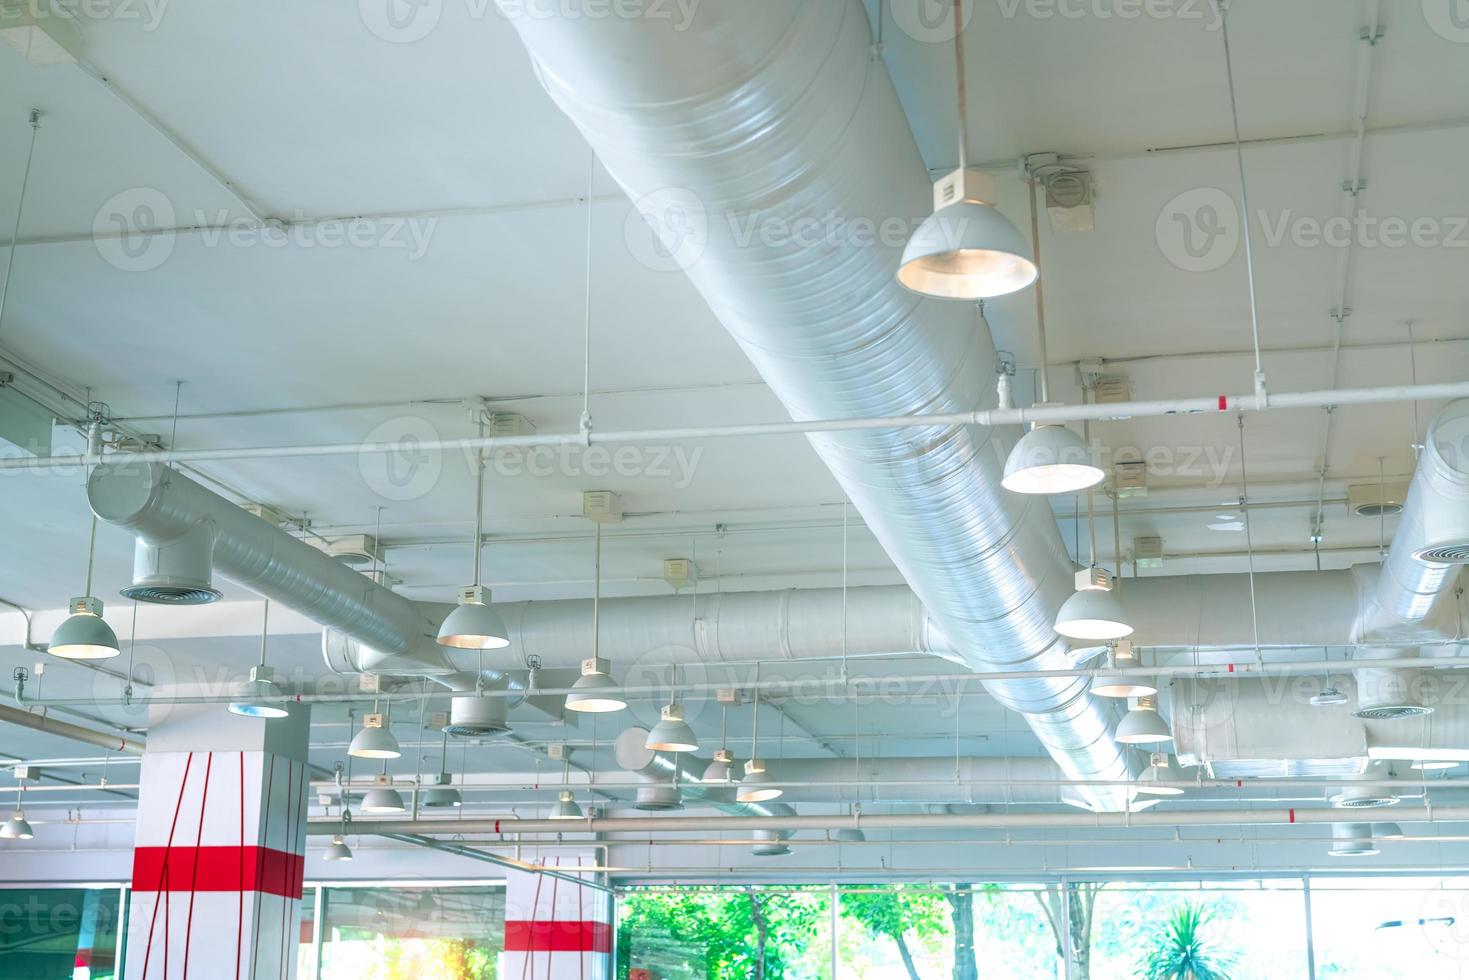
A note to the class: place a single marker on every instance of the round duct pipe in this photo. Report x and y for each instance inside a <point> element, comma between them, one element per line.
<point>658,797</point>
<point>475,717</point>
<point>1352,840</point>
<point>177,571</point>
<point>1386,693</point>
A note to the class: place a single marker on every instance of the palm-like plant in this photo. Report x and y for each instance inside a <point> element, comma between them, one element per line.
<point>1182,953</point>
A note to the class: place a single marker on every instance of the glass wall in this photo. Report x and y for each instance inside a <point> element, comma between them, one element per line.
<point>724,933</point>
<point>60,933</point>
<point>1242,929</point>
<point>1391,928</point>
<point>417,932</point>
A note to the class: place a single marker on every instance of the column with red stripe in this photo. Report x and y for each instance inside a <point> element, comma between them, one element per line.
<point>555,927</point>
<point>218,855</point>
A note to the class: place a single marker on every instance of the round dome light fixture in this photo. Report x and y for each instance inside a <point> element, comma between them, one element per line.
<point>1143,725</point>
<point>757,786</point>
<point>474,624</point>
<point>566,807</point>
<point>672,733</point>
<point>1048,460</point>
<point>590,692</point>
<point>84,635</point>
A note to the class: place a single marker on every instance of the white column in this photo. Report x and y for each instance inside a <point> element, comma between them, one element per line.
<point>218,855</point>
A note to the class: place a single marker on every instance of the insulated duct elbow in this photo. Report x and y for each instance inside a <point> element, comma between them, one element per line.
<point>1431,544</point>
<point>180,522</point>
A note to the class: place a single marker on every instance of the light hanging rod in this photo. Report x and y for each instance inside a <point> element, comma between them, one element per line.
<point>1250,402</point>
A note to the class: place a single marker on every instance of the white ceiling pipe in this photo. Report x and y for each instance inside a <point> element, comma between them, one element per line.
<point>1274,816</point>
<point>1322,398</point>
<point>158,503</point>
<point>764,117</point>
<point>789,624</point>
<point>1431,542</point>
<point>1298,608</point>
<point>1240,727</point>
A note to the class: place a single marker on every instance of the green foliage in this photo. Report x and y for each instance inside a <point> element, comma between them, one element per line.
<point>1181,952</point>
<point>725,934</point>
<point>894,912</point>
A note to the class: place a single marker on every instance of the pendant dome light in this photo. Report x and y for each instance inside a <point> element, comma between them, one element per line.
<point>1094,612</point>
<point>591,692</point>
<point>17,827</point>
<point>721,770</point>
<point>1050,458</point>
<point>1161,772</point>
<point>338,850</point>
<point>383,798</point>
<point>474,624</point>
<point>85,635</point>
<point>1121,657</point>
<point>756,786</point>
<point>258,697</point>
<point>1143,725</point>
<point>566,807</point>
<point>375,740</point>
<point>966,249</point>
<point>672,733</point>
<point>441,793</point>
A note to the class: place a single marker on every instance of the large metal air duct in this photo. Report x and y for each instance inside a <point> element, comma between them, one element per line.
<point>1431,544</point>
<point>750,119</point>
<point>159,504</point>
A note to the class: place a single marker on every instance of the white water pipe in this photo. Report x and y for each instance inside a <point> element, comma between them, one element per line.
<point>510,827</point>
<point>984,417</point>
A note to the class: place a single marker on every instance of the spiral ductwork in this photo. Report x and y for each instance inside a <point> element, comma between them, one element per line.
<point>760,117</point>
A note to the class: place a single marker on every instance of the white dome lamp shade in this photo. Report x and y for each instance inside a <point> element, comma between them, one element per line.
<point>1094,612</point>
<point>474,624</point>
<point>84,635</point>
<point>17,828</point>
<point>1116,680</point>
<point>593,692</point>
<point>672,733</point>
<point>442,795</point>
<point>1050,459</point>
<point>374,740</point>
<point>338,850</point>
<point>383,798</point>
<point>259,695</point>
<point>566,807</point>
<point>1143,725</point>
<point>1162,771</point>
<point>966,249</point>
<point>721,770</point>
<point>757,786</point>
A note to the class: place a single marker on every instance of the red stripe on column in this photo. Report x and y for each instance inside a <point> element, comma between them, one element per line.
<point>523,936</point>
<point>218,869</point>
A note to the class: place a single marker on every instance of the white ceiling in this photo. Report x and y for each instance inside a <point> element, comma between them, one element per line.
<point>312,116</point>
